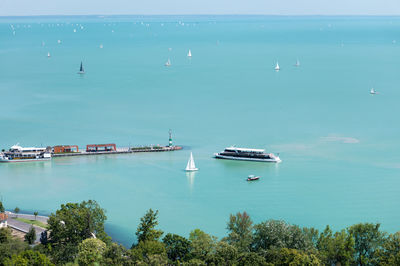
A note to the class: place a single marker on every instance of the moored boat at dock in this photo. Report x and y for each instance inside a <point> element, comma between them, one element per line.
<point>246,154</point>
<point>19,154</point>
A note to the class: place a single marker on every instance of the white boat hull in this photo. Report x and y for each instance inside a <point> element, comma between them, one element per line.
<point>192,170</point>
<point>271,160</point>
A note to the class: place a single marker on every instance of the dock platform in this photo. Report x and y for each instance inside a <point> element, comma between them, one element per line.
<point>120,151</point>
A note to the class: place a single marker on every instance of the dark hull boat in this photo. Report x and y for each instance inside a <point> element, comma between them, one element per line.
<point>252,178</point>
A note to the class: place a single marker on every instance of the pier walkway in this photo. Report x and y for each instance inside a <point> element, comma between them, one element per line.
<point>122,150</point>
<point>25,227</point>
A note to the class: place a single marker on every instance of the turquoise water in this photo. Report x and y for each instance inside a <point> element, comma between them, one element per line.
<point>339,144</point>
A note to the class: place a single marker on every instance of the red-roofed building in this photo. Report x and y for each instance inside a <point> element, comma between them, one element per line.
<point>3,220</point>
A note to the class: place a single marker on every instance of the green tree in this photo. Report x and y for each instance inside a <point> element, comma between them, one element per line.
<point>16,210</point>
<point>177,247</point>
<point>292,257</point>
<point>91,252</point>
<point>30,237</point>
<point>250,258</point>
<point>29,257</point>
<point>116,255</point>
<point>5,235</point>
<point>154,260</point>
<point>368,239</point>
<point>146,251</point>
<point>279,234</point>
<point>225,254</point>
<point>9,246</point>
<point>195,262</point>
<point>240,228</point>
<point>2,207</point>
<point>36,214</point>
<point>43,238</point>
<point>202,244</point>
<point>73,223</point>
<point>312,235</point>
<point>336,249</point>
<point>390,252</point>
<point>146,230</point>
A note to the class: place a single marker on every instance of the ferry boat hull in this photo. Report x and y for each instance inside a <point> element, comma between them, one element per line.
<point>269,160</point>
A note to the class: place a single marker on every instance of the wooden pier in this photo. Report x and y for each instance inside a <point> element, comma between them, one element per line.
<point>120,151</point>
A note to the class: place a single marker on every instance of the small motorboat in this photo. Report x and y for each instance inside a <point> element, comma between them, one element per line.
<point>252,178</point>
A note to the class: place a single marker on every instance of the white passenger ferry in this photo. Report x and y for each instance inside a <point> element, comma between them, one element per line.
<point>245,154</point>
<point>19,154</point>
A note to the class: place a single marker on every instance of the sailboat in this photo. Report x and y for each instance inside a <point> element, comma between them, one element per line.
<point>81,70</point>
<point>190,165</point>
<point>189,53</point>
<point>277,68</point>
<point>373,91</point>
<point>168,63</point>
<point>48,54</point>
<point>297,63</point>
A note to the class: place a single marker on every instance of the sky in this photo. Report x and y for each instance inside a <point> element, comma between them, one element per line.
<point>181,7</point>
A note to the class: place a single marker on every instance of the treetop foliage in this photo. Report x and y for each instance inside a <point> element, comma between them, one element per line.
<point>76,237</point>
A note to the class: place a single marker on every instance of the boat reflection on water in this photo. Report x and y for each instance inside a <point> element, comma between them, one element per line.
<point>190,177</point>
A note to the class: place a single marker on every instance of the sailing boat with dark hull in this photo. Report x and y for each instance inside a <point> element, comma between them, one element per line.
<point>81,69</point>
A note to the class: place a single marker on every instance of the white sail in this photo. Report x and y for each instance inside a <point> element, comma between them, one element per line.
<point>190,164</point>
<point>168,62</point>
<point>48,54</point>
<point>277,66</point>
<point>189,53</point>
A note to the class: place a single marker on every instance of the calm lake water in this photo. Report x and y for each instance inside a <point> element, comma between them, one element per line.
<point>340,145</point>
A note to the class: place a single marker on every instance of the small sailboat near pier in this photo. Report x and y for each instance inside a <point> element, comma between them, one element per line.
<point>191,167</point>
<point>81,69</point>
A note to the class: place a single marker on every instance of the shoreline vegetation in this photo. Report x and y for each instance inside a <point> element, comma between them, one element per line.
<point>32,222</point>
<point>76,236</point>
